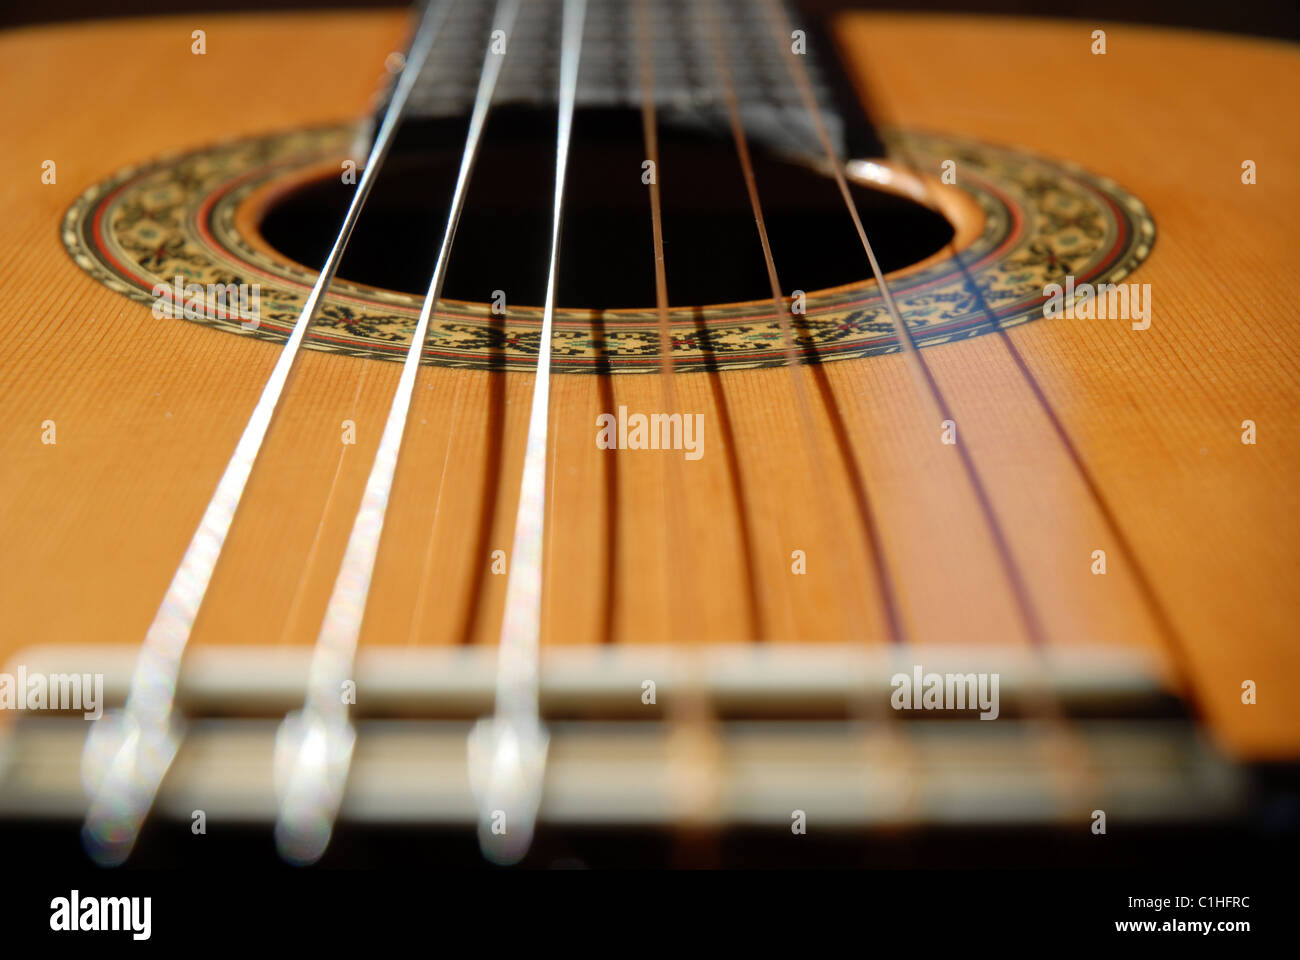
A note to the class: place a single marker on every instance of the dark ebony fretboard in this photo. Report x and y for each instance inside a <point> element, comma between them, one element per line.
<point>689,84</point>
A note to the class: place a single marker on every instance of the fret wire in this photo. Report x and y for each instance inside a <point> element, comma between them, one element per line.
<point>507,751</point>
<point>314,772</point>
<point>129,762</point>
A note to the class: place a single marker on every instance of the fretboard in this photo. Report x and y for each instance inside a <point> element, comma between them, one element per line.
<point>688,82</point>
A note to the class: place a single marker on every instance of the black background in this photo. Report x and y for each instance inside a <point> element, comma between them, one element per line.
<point>1266,18</point>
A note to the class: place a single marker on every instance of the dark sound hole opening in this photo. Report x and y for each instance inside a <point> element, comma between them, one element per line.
<point>711,246</point>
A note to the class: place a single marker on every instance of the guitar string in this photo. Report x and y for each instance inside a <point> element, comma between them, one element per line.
<point>882,735</point>
<point>129,777</point>
<point>1058,739</point>
<point>693,721</point>
<point>309,800</point>
<point>814,451</point>
<point>1164,622</point>
<point>676,581</point>
<point>508,750</point>
<point>791,350</point>
<point>1178,656</point>
<point>692,731</point>
<point>1024,603</point>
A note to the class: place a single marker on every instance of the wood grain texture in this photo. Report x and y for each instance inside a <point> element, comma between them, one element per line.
<point>147,414</point>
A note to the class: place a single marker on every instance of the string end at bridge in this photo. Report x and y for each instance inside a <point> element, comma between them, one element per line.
<point>123,764</point>
<point>507,767</point>
<point>313,753</point>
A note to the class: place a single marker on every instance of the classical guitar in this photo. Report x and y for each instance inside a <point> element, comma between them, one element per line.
<point>648,432</point>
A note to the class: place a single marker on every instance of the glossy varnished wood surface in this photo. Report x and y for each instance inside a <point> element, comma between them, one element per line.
<point>148,413</point>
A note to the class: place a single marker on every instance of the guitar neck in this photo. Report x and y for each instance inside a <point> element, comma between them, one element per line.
<point>681,43</point>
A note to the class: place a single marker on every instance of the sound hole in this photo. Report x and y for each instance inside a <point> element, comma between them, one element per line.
<point>711,246</point>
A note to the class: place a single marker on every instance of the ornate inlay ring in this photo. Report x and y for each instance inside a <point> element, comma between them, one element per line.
<point>180,216</point>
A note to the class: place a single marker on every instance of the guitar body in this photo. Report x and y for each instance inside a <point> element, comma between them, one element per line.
<point>1200,530</point>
